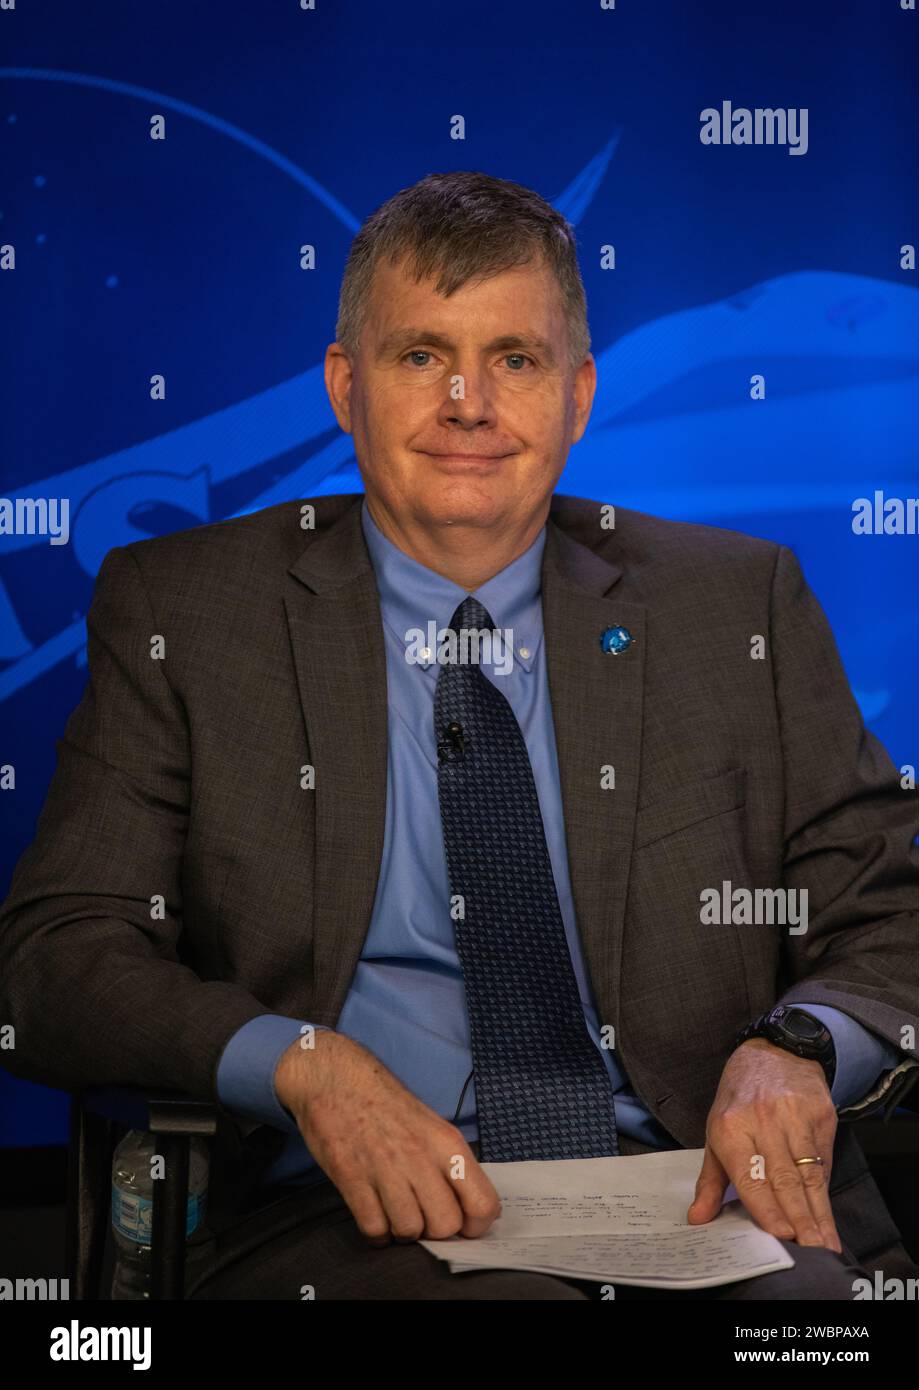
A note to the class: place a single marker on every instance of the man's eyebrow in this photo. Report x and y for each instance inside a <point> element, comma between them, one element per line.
<point>401,339</point>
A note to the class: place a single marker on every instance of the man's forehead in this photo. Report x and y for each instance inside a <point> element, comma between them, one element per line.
<point>401,276</point>
<point>399,302</point>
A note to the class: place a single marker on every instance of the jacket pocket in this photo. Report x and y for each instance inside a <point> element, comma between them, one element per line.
<point>688,806</point>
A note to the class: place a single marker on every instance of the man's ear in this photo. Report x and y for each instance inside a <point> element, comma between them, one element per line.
<point>585,387</point>
<point>338,377</point>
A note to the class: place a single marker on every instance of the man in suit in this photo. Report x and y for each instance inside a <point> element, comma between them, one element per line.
<point>390,908</point>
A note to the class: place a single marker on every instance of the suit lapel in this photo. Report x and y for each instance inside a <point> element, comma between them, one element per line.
<point>596,702</point>
<point>333,613</point>
<point>337,640</point>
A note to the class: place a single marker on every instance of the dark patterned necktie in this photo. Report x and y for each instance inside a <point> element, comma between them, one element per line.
<point>542,1089</point>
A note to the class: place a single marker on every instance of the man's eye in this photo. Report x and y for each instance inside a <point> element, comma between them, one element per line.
<point>518,360</point>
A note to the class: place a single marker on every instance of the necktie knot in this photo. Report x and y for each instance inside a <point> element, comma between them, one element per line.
<point>471,615</point>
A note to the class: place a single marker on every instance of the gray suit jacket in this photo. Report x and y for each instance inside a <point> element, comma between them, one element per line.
<point>178,784</point>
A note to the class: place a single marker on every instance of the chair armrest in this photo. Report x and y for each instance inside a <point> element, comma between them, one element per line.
<point>159,1112</point>
<point>175,1118</point>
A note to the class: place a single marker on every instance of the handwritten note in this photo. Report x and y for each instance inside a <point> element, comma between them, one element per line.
<point>619,1220</point>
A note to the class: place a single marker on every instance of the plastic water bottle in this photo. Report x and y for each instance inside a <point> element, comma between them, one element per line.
<point>132,1208</point>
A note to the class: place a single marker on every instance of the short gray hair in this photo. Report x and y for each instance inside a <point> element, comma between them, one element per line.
<point>463,226</point>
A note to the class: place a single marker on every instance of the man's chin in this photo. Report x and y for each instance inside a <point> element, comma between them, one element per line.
<point>482,518</point>
<point>466,506</point>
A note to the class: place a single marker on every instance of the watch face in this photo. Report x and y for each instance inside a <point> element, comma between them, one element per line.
<point>801,1026</point>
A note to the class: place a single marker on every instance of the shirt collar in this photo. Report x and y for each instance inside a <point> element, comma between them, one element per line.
<point>411,595</point>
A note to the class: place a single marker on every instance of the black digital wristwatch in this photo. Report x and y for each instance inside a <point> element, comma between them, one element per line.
<point>797,1031</point>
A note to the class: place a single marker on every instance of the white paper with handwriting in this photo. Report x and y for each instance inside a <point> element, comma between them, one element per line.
<point>618,1220</point>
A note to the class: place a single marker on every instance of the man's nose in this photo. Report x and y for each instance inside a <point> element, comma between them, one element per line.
<point>468,398</point>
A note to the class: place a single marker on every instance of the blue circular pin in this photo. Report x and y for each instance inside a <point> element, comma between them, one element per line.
<point>615,639</point>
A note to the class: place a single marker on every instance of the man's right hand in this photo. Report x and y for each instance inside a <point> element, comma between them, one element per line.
<point>390,1156</point>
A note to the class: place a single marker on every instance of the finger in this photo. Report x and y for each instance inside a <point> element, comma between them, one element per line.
<point>367,1210</point>
<point>710,1188</point>
<point>815,1180</point>
<point>480,1203</point>
<point>440,1207</point>
<point>788,1186</point>
<point>401,1206</point>
<point>748,1170</point>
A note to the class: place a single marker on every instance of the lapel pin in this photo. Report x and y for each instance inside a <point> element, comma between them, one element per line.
<point>616,639</point>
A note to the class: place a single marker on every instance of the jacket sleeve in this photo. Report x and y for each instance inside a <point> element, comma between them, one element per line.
<point>90,977</point>
<point>849,833</point>
<point>861,1057</point>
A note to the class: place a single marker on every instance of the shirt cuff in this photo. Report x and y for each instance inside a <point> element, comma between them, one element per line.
<point>245,1073</point>
<point>861,1055</point>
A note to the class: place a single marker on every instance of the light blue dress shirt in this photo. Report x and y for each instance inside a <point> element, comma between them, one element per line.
<point>406,1001</point>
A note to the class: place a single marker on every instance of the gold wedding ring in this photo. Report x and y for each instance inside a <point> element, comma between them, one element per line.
<point>810,1160</point>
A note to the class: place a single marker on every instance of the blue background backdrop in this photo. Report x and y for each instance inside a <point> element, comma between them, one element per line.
<point>287,127</point>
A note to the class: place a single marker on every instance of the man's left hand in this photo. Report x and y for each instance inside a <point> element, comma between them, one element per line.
<point>771,1108</point>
